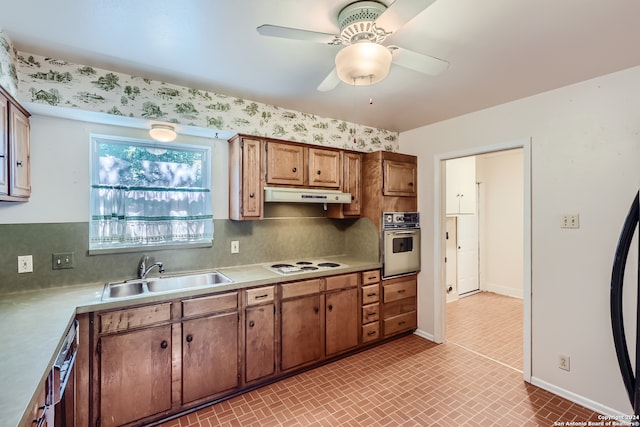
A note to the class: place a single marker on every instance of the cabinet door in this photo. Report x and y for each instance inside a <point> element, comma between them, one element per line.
<point>4,145</point>
<point>300,321</point>
<point>135,375</point>
<point>324,168</point>
<point>341,321</point>
<point>352,182</point>
<point>251,186</point>
<point>259,342</point>
<point>20,182</point>
<point>209,356</point>
<point>461,186</point>
<point>285,164</point>
<point>399,179</point>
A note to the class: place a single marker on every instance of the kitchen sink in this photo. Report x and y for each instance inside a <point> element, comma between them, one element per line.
<point>123,289</point>
<point>141,287</point>
<point>176,283</point>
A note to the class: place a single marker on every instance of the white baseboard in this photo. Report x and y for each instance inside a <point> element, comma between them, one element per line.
<point>581,400</point>
<point>425,335</point>
<point>504,290</point>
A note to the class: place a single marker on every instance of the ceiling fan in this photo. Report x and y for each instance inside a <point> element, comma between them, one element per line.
<point>364,26</point>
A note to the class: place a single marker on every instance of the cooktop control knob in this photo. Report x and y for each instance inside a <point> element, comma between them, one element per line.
<point>399,218</point>
<point>388,218</point>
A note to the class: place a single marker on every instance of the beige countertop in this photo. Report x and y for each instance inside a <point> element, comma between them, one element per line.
<point>32,325</point>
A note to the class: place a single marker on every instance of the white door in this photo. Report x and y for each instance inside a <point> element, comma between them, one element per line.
<point>451,259</point>
<point>468,277</point>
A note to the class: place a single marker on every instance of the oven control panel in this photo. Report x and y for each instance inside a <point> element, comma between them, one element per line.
<point>401,220</point>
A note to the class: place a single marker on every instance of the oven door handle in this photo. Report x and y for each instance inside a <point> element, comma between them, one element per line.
<point>404,232</point>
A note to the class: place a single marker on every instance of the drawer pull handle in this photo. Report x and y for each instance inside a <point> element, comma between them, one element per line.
<point>316,309</point>
<point>19,163</point>
<point>261,296</point>
<point>294,170</point>
<point>189,338</point>
<point>252,324</point>
<point>330,307</point>
<point>372,277</point>
<point>402,291</point>
<point>164,344</point>
<point>251,195</point>
<point>372,294</point>
<point>371,313</point>
<point>401,323</point>
<point>371,333</point>
<point>318,172</point>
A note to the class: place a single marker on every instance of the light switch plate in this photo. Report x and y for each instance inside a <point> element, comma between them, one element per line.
<point>25,264</point>
<point>570,221</point>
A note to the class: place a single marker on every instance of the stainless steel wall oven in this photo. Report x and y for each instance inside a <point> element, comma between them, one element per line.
<point>400,243</point>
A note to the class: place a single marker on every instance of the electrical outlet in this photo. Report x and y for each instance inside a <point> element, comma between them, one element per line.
<point>570,221</point>
<point>62,260</point>
<point>25,264</point>
<point>235,247</point>
<point>564,362</point>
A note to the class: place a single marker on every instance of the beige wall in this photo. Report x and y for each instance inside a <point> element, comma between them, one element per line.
<point>585,148</point>
<point>501,221</point>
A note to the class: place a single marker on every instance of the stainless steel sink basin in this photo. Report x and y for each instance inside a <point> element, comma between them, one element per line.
<point>166,284</point>
<point>141,287</point>
<point>124,289</point>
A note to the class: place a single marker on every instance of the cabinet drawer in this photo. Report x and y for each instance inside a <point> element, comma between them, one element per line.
<point>399,290</point>
<point>370,313</point>
<point>130,318</point>
<point>212,304</point>
<point>369,277</point>
<point>370,294</point>
<point>259,295</point>
<point>370,332</point>
<point>304,287</point>
<point>341,282</point>
<point>399,307</point>
<point>399,323</point>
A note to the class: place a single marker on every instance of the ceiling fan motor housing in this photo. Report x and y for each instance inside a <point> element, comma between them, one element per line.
<point>357,22</point>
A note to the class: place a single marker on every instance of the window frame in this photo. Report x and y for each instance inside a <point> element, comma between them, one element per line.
<point>94,179</point>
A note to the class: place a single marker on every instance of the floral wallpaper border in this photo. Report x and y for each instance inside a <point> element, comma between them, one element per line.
<point>8,73</point>
<point>61,83</point>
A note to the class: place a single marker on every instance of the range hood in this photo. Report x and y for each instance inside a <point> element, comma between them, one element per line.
<point>305,195</point>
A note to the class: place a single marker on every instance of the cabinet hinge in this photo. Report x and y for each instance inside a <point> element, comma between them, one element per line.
<point>99,346</point>
<point>445,259</point>
<point>446,235</point>
<point>274,309</point>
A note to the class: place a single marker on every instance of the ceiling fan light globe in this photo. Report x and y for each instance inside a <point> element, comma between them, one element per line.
<point>363,63</point>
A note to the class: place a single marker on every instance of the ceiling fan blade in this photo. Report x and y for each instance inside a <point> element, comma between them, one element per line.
<point>400,12</point>
<point>417,61</point>
<point>296,34</point>
<point>329,82</point>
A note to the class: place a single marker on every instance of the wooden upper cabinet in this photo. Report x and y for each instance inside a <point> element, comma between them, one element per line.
<point>352,184</point>
<point>245,178</point>
<point>325,168</point>
<point>15,164</point>
<point>285,163</point>
<point>400,178</point>
<point>4,144</point>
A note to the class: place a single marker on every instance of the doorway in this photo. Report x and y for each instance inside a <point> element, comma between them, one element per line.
<point>493,273</point>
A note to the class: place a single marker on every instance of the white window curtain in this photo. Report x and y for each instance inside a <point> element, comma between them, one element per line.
<point>146,194</point>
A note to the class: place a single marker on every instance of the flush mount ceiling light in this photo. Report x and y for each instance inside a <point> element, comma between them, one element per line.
<point>162,132</point>
<point>363,63</point>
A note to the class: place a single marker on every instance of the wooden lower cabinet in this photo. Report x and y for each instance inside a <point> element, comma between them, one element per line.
<point>300,331</point>
<point>259,354</point>
<point>399,305</point>
<point>209,356</point>
<point>135,375</point>
<point>151,361</point>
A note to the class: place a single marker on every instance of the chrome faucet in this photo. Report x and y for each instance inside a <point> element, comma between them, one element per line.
<point>143,270</point>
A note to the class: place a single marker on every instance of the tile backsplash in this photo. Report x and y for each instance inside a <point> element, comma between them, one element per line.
<point>271,239</point>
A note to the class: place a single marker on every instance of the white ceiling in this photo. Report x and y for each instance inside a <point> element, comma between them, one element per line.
<point>498,50</point>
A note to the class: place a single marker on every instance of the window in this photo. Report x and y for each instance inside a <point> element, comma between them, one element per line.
<point>145,194</point>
